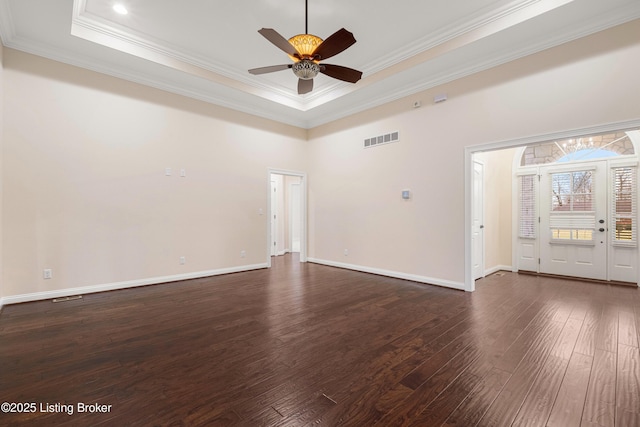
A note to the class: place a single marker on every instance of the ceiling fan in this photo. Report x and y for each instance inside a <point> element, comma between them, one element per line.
<point>308,51</point>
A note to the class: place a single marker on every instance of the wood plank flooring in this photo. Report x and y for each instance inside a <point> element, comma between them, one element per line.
<point>305,344</point>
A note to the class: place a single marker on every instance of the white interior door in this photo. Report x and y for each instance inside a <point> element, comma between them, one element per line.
<point>573,220</point>
<point>295,217</point>
<point>477,226</point>
<point>274,213</point>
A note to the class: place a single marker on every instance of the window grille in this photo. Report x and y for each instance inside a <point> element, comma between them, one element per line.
<point>572,216</point>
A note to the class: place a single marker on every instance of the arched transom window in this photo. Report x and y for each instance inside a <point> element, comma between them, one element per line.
<point>583,148</point>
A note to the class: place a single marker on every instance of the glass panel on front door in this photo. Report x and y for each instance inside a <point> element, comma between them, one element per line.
<point>572,217</point>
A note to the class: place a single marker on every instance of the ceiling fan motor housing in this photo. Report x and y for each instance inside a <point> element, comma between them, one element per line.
<point>305,69</point>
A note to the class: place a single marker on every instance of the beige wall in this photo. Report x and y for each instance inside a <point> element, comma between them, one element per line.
<point>497,208</point>
<point>85,187</point>
<point>354,195</point>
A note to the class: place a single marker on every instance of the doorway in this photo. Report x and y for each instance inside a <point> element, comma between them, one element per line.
<point>524,227</point>
<point>287,213</point>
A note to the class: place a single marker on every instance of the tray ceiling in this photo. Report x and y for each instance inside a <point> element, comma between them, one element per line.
<point>203,49</point>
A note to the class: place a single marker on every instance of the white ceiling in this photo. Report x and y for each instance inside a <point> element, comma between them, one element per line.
<point>203,48</point>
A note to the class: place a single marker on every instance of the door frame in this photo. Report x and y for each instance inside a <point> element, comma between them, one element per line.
<point>303,211</point>
<point>469,283</point>
<point>481,253</point>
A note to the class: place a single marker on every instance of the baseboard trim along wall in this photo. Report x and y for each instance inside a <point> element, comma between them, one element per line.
<point>36,296</point>
<point>390,273</point>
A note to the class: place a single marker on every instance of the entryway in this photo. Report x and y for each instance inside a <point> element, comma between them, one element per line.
<point>561,204</point>
<point>578,216</point>
<point>286,214</point>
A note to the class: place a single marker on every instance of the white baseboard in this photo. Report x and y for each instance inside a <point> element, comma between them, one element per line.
<point>498,268</point>
<point>390,273</point>
<point>14,299</point>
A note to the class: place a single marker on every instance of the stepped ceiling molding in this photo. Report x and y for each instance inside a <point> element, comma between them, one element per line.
<point>203,49</point>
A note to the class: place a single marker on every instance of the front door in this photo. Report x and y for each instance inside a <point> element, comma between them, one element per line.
<point>573,220</point>
<point>588,220</point>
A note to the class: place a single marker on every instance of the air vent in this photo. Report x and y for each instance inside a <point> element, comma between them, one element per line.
<point>382,139</point>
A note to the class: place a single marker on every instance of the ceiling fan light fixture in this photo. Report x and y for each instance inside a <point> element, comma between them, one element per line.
<point>305,44</point>
<point>307,52</point>
<point>305,69</point>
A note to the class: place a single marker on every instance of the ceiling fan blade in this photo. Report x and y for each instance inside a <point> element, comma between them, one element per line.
<point>341,73</point>
<point>274,37</point>
<point>305,86</point>
<point>334,44</point>
<point>270,69</point>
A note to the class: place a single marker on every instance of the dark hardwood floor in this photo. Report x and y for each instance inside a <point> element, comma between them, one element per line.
<point>305,344</point>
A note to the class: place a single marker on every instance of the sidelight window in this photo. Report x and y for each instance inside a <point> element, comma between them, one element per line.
<point>527,206</point>
<point>624,206</point>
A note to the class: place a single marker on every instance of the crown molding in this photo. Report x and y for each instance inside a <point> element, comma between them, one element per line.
<point>99,30</point>
<point>58,55</point>
<point>460,28</point>
<point>95,29</point>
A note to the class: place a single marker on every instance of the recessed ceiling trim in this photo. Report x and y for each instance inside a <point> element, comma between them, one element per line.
<point>94,29</point>
<point>86,21</point>
<point>490,28</point>
<point>91,28</point>
<point>479,20</point>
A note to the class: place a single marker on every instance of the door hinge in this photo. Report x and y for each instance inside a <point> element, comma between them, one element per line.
<point>538,261</point>
<point>538,220</point>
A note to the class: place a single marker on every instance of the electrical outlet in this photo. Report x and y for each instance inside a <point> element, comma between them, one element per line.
<point>243,253</point>
<point>183,173</point>
<point>47,273</point>
<point>346,252</point>
<point>183,260</point>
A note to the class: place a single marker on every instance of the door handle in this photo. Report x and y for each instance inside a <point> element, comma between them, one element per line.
<point>482,226</point>
<point>601,230</point>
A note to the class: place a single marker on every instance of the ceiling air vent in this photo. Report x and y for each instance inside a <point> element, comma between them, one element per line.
<point>382,139</point>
